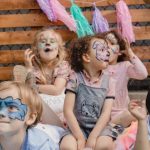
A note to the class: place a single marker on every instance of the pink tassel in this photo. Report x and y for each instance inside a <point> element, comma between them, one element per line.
<point>46,7</point>
<point>63,15</point>
<point>124,22</point>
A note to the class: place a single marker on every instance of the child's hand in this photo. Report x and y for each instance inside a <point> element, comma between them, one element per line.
<point>137,109</point>
<point>28,59</point>
<point>91,142</point>
<point>128,51</point>
<point>81,143</point>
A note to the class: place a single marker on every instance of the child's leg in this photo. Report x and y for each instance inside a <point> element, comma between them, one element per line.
<point>68,143</point>
<point>125,118</point>
<point>104,143</point>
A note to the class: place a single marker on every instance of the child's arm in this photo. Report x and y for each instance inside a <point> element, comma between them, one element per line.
<point>54,89</point>
<point>136,68</point>
<point>138,110</point>
<point>71,119</point>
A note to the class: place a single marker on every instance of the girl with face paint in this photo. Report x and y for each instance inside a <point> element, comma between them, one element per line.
<point>89,97</point>
<point>20,110</point>
<point>47,69</point>
<point>122,71</point>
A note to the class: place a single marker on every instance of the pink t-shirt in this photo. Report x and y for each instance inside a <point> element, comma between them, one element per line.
<point>73,82</point>
<point>61,71</point>
<point>122,72</point>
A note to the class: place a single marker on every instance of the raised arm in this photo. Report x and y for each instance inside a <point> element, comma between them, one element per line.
<point>138,110</point>
<point>136,68</point>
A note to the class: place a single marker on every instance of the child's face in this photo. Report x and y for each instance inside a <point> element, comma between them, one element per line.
<point>13,112</point>
<point>47,45</point>
<point>100,52</point>
<point>114,48</point>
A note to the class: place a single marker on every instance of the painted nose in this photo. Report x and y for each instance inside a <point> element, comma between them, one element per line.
<point>3,112</point>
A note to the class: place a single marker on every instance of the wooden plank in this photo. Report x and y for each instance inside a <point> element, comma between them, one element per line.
<point>31,4</point>
<point>147,64</point>
<point>26,37</point>
<point>143,52</point>
<point>17,56</point>
<point>6,73</point>
<point>40,19</point>
<point>11,56</point>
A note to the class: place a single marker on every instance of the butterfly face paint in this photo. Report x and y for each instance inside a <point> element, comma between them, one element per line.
<point>101,48</point>
<point>12,108</point>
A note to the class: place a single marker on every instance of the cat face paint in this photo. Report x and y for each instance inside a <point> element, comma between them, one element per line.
<point>47,42</point>
<point>101,48</point>
<point>12,108</point>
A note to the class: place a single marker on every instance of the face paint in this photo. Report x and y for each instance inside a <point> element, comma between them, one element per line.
<point>101,48</point>
<point>111,38</point>
<point>115,48</point>
<point>12,108</point>
<point>47,43</point>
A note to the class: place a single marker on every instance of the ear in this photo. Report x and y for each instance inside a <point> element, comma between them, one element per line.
<point>31,119</point>
<point>86,57</point>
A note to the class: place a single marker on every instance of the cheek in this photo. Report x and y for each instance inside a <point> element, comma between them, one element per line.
<point>40,45</point>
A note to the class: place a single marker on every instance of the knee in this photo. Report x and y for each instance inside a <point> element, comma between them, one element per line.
<point>103,147</point>
<point>67,147</point>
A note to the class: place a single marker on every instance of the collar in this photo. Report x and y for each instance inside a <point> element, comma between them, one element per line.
<point>89,79</point>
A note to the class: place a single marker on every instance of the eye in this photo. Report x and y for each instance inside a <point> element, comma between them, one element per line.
<point>53,41</point>
<point>43,41</point>
<point>12,108</point>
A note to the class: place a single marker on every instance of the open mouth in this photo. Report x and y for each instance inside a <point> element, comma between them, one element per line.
<point>47,50</point>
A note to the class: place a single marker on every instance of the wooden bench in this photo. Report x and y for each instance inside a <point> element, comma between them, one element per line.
<point>23,27</point>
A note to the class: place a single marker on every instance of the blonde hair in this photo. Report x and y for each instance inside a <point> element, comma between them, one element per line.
<point>61,50</point>
<point>27,96</point>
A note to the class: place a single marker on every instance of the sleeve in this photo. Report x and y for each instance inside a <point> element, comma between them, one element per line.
<point>111,88</point>
<point>63,70</point>
<point>136,69</point>
<point>72,83</point>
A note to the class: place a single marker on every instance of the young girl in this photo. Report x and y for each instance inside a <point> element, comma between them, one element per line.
<point>89,97</point>
<point>122,71</point>
<point>46,62</point>
<point>138,110</point>
<point>20,110</point>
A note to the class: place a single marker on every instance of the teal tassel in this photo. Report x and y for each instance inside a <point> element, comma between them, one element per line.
<point>83,27</point>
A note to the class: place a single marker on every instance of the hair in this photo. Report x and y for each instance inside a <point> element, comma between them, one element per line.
<point>148,101</point>
<point>121,43</point>
<point>27,96</point>
<point>78,48</point>
<point>61,50</point>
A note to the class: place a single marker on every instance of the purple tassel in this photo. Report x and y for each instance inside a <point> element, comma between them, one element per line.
<point>46,7</point>
<point>99,23</point>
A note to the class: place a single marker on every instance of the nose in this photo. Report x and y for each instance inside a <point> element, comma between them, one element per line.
<point>108,54</point>
<point>3,112</point>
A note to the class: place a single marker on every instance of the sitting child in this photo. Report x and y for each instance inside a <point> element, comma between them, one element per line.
<point>138,110</point>
<point>122,70</point>
<point>20,111</point>
<point>89,97</point>
<point>47,69</point>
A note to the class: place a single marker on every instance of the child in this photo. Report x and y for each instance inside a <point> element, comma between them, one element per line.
<point>89,97</point>
<point>46,61</point>
<point>122,71</point>
<point>138,110</point>
<point>20,110</point>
